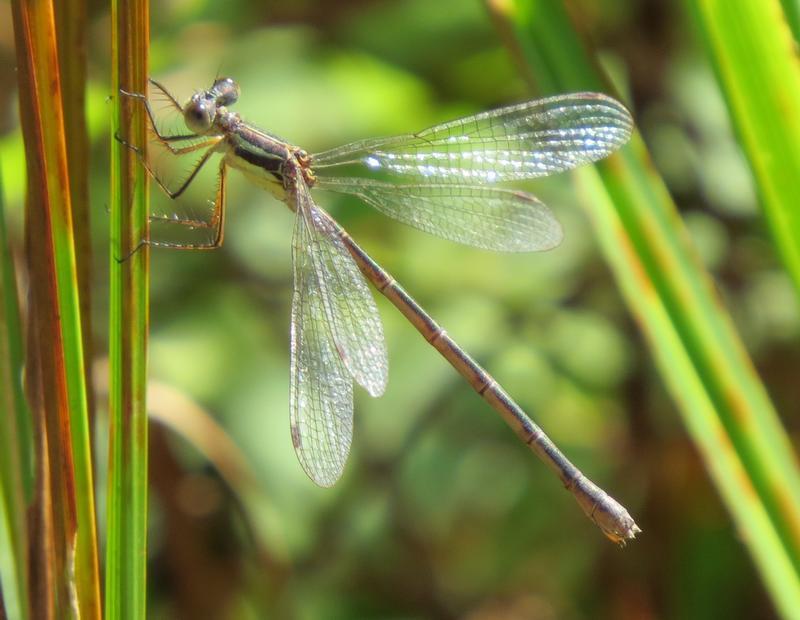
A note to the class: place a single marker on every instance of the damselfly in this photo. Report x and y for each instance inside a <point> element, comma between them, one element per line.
<point>444,187</point>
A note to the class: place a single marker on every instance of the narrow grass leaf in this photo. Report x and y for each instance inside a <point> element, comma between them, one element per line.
<point>55,369</point>
<point>754,54</point>
<point>16,449</point>
<point>126,549</point>
<point>71,27</point>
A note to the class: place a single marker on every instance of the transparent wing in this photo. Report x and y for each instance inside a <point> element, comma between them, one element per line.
<point>350,309</point>
<point>336,337</point>
<point>321,390</point>
<point>522,141</point>
<point>484,217</point>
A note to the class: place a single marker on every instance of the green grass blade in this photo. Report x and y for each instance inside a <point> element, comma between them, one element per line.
<point>14,337</point>
<point>754,56</point>
<point>792,10</point>
<point>58,324</point>
<point>724,405</point>
<point>16,443</point>
<point>71,26</point>
<point>126,550</point>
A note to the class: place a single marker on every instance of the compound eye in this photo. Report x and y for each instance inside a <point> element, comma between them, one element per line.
<point>227,91</point>
<point>199,115</point>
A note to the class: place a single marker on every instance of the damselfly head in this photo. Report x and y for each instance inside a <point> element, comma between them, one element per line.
<point>226,91</point>
<point>199,112</point>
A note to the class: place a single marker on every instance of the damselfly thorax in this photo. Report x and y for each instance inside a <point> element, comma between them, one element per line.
<point>445,185</point>
<point>266,160</point>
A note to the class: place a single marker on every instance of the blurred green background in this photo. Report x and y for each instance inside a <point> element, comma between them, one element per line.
<point>441,512</point>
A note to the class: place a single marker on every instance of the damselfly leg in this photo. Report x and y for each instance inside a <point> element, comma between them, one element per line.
<point>216,222</point>
<point>164,139</point>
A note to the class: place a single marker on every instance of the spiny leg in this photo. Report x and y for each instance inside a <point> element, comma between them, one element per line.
<point>162,138</point>
<point>217,223</point>
<point>218,214</point>
<point>193,174</point>
<point>219,204</point>
<point>208,143</point>
<point>167,94</point>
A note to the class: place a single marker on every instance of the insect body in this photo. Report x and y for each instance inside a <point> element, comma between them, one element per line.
<point>443,184</point>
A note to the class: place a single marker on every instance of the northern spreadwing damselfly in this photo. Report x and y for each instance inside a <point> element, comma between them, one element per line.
<point>441,181</point>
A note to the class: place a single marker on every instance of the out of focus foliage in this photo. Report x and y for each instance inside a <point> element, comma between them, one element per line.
<point>441,513</point>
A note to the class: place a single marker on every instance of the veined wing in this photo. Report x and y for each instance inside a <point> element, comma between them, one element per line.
<point>483,217</point>
<point>336,336</point>
<point>522,141</point>
<point>321,389</point>
<point>350,309</point>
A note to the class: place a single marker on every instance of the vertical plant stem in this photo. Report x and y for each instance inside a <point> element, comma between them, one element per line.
<point>59,365</point>
<point>71,27</point>
<point>16,473</point>
<point>126,553</point>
